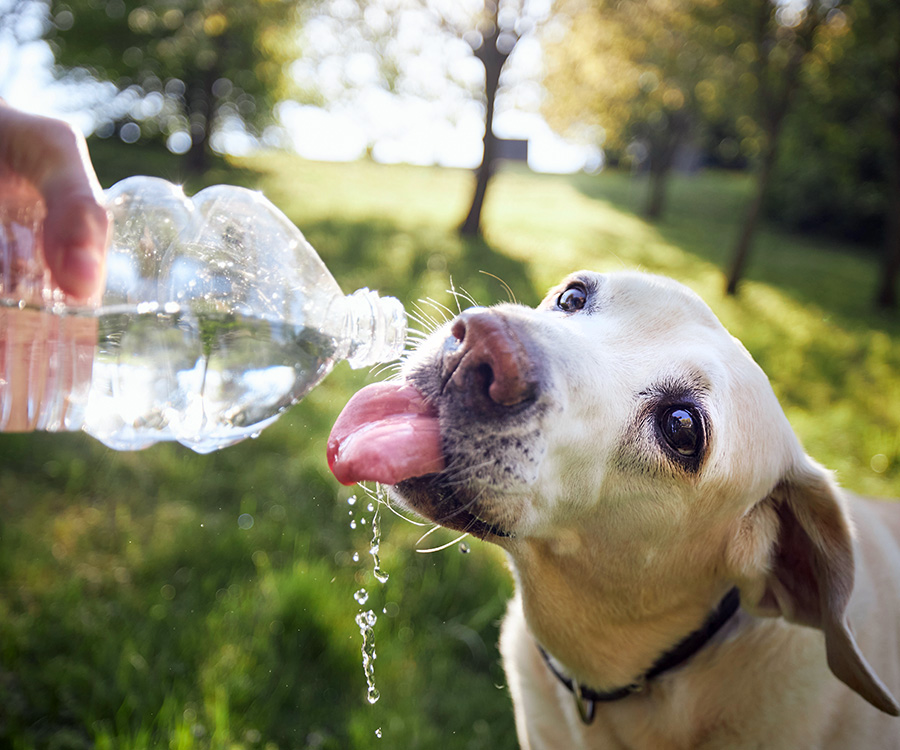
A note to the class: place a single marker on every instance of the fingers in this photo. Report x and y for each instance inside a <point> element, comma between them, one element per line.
<point>75,231</point>
<point>54,158</point>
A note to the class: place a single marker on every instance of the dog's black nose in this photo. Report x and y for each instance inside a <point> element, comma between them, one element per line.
<point>491,359</point>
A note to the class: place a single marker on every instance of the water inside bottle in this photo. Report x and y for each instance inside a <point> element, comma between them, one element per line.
<point>133,376</point>
<point>45,368</point>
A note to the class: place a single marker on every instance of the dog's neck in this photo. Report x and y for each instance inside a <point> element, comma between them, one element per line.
<point>587,697</point>
<point>604,635</point>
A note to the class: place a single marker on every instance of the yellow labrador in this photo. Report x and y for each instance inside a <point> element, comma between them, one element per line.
<point>686,576</point>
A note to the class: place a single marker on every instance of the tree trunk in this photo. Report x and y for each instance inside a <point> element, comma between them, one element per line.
<point>197,158</point>
<point>657,195</point>
<point>199,112</point>
<point>751,219</point>
<point>493,59</point>
<point>775,103</point>
<point>471,227</point>
<point>886,296</point>
<point>662,157</point>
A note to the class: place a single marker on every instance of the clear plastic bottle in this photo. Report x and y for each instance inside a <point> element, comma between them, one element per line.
<point>217,316</point>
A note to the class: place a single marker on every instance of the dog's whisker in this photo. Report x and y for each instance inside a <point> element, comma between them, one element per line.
<point>510,293</point>
<point>377,494</point>
<point>422,318</point>
<point>417,314</point>
<point>392,368</point>
<point>452,292</point>
<point>426,535</point>
<point>442,547</point>
<point>418,319</point>
<point>425,315</point>
<point>462,294</point>
<point>397,513</point>
<point>443,309</point>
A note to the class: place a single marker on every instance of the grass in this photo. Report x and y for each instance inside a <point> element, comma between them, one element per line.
<point>140,608</point>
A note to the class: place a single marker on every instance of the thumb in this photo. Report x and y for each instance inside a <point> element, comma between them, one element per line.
<point>53,156</point>
<point>75,235</point>
<point>76,226</point>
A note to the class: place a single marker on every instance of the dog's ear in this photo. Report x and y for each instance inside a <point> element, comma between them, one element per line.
<point>810,576</point>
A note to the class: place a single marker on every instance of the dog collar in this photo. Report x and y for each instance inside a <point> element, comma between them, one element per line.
<point>587,699</point>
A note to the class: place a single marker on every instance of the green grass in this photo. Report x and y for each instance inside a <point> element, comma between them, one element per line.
<point>136,612</point>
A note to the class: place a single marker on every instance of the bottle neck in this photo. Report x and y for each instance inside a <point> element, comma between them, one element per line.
<point>374,328</point>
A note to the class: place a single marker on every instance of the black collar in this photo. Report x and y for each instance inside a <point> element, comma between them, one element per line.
<point>586,698</point>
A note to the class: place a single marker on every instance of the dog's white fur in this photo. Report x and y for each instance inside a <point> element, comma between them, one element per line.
<point>618,551</point>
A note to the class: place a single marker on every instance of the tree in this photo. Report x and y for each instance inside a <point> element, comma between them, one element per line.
<point>386,44</point>
<point>774,41</point>
<point>630,71</point>
<point>498,33</point>
<point>190,68</point>
<point>875,27</point>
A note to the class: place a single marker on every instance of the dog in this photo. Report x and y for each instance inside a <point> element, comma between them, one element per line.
<point>686,576</point>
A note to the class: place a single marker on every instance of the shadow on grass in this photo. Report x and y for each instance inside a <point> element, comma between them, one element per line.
<point>417,264</point>
<point>114,161</point>
<point>703,216</point>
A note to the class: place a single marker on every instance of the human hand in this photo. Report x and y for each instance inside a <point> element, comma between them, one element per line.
<point>46,161</point>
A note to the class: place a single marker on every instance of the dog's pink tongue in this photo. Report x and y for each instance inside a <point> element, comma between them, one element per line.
<point>386,433</point>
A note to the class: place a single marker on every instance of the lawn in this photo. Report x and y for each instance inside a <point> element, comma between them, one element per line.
<point>165,599</point>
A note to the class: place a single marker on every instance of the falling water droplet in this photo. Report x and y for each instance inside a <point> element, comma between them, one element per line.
<point>353,524</point>
<point>351,500</point>
<point>366,622</point>
<point>378,733</point>
<point>378,572</point>
<point>464,548</point>
<point>362,596</point>
<point>356,557</point>
<point>370,507</point>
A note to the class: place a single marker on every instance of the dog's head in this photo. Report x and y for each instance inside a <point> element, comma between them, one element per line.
<point>620,444</point>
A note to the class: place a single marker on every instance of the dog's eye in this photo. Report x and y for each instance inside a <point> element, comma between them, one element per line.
<point>682,430</point>
<point>573,299</point>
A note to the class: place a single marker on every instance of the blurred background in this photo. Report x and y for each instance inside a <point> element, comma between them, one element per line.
<point>748,148</point>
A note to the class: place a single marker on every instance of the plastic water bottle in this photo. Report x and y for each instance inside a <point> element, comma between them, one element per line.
<point>217,316</point>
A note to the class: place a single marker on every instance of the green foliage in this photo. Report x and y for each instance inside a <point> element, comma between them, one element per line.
<point>141,608</point>
<point>835,159</point>
<point>191,67</point>
<point>627,69</point>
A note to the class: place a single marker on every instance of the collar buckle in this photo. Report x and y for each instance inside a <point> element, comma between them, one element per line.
<point>586,707</point>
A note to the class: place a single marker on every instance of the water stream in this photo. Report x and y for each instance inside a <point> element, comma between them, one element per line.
<point>366,618</point>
